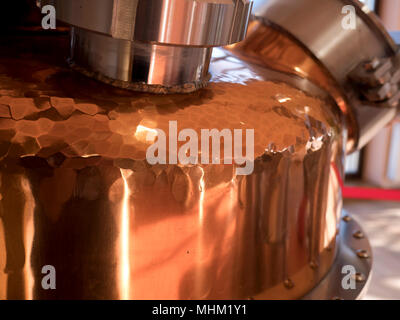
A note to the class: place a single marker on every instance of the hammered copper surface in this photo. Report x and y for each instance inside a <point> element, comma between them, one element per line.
<point>276,49</point>
<point>78,194</point>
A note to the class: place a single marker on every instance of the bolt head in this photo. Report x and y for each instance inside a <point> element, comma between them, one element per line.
<point>288,284</point>
<point>337,298</point>
<point>358,234</point>
<point>360,277</point>
<point>346,218</point>
<point>363,254</point>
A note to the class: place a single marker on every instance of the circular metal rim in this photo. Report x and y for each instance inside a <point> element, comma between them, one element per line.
<point>139,66</point>
<point>350,245</point>
<point>141,86</point>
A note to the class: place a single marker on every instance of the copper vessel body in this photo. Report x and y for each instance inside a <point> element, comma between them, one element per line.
<point>266,46</point>
<point>77,192</point>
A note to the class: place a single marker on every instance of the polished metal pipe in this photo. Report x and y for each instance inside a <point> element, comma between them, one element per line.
<point>139,66</point>
<point>151,45</point>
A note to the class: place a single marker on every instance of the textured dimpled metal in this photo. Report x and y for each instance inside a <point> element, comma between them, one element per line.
<point>77,192</point>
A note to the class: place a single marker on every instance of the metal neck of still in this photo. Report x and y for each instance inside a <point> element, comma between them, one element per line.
<point>159,46</point>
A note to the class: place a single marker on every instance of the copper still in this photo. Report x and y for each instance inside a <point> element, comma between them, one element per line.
<point>78,193</point>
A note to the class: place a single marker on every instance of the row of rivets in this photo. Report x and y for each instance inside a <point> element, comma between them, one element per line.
<point>359,277</point>
<point>358,235</point>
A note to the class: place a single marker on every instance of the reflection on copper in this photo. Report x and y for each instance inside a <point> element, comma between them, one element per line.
<point>116,227</point>
<point>29,234</point>
<point>274,48</point>
<point>200,240</point>
<point>125,240</point>
<point>145,134</point>
<point>283,100</point>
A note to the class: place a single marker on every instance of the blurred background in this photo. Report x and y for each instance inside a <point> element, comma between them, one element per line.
<point>372,192</point>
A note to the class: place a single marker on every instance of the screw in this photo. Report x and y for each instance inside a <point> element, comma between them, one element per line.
<point>360,277</point>
<point>362,254</point>
<point>288,284</point>
<point>337,298</point>
<point>372,65</point>
<point>347,219</point>
<point>358,234</point>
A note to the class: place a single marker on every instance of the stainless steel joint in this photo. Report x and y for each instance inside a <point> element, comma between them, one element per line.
<point>362,61</point>
<point>151,45</point>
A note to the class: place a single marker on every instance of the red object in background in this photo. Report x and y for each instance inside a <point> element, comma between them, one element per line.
<point>370,193</point>
<point>365,193</point>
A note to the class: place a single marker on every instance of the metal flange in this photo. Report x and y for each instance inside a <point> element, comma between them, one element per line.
<point>353,250</point>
